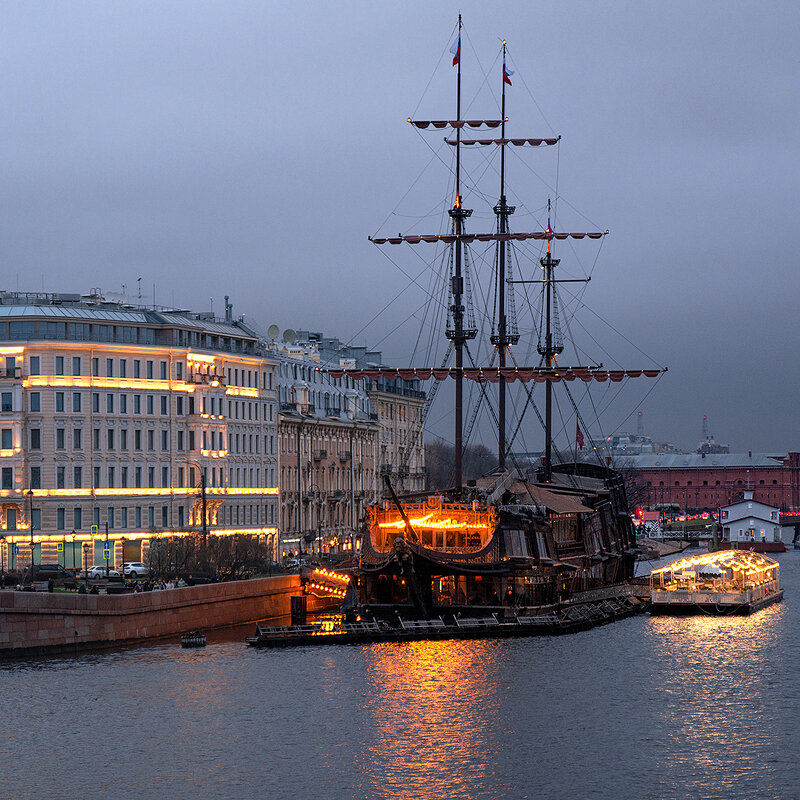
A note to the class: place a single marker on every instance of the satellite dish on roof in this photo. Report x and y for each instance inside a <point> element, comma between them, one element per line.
<point>289,336</point>
<point>273,332</point>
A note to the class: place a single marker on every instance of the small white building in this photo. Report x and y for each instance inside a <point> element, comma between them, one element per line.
<point>750,521</point>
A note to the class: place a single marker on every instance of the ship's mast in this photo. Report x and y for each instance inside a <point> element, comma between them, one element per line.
<point>502,340</point>
<point>457,334</point>
<point>549,352</point>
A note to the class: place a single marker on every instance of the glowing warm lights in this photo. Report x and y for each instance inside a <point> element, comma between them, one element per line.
<point>144,492</point>
<point>330,575</point>
<point>312,587</point>
<point>197,358</point>
<point>241,391</point>
<point>428,522</point>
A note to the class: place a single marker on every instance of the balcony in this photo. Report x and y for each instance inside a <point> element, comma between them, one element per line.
<point>320,455</point>
<point>346,456</point>
<point>15,373</point>
<point>207,378</point>
<point>289,407</point>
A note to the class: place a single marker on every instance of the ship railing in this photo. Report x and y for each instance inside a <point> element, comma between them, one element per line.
<point>477,622</point>
<point>544,620</point>
<point>421,624</point>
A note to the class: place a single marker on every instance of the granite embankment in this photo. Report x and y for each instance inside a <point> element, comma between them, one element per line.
<point>37,622</point>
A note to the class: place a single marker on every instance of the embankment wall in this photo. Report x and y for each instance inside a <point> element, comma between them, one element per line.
<point>32,622</point>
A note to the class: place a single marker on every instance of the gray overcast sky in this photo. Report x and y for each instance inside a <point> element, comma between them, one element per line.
<point>248,149</point>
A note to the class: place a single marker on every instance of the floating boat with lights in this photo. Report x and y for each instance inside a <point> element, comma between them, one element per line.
<point>720,583</point>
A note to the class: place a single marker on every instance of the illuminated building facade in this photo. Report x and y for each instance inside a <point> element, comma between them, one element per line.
<point>398,406</point>
<point>112,414</point>
<point>328,439</point>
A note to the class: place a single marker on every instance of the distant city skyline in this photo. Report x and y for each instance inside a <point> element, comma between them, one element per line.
<point>248,149</point>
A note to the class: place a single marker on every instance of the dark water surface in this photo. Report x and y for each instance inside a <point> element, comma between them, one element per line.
<point>644,708</point>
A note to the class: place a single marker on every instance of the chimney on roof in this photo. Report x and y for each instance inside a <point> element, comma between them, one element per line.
<point>228,310</point>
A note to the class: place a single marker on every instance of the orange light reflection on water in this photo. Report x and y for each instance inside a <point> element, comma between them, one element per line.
<point>724,664</point>
<point>428,712</point>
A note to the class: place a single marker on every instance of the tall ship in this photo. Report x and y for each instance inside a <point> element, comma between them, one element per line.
<point>527,537</point>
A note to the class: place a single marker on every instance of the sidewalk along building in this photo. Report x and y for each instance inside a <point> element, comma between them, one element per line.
<point>327,443</point>
<point>114,415</point>
<point>704,482</point>
<point>751,525</point>
<point>398,405</point>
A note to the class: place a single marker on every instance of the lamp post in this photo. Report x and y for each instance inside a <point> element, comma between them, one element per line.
<point>86,561</point>
<point>2,562</point>
<point>72,547</point>
<point>29,494</point>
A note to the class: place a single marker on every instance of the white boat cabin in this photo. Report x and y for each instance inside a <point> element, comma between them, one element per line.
<point>750,521</point>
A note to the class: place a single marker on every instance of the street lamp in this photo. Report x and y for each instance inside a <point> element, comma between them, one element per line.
<point>86,561</point>
<point>72,547</point>
<point>2,562</point>
<point>30,520</point>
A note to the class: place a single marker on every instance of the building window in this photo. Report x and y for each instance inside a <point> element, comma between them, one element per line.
<point>77,477</point>
<point>96,438</point>
<point>109,367</point>
<point>151,477</point>
<point>150,404</point>
<point>137,475</point>
<point>36,402</point>
<point>123,514</point>
<point>59,401</point>
<point>149,367</point>
<point>180,441</point>
<point>137,516</point>
<point>123,477</point>
<point>123,404</point>
<point>95,367</point>
<point>109,403</point>
<point>151,438</point>
<point>137,404</point>
<point>8,438</point>
<point>151,512</point>
<point>137,440</point>
<point>61,477</point>
<point>110,438</point>
<point>77,438</point>
<point>76,402</point>
<point>96,476</point>
<point>110,516</point>
<point>95,403</point>
<point>164,517</point>
<point>179,370</point>
<point>60,439</point>
<point>77,518</point>
<point>123,368</point>
<point>36,478</point>
<point>165,476</point>
<point>165,440</point>
<point>61,518</point>
<point>59,365</point>
<point>163,370</point>
<point>76,365</point>
<point>7,404</point>
<point>36,519</point>
<point>8,478</point>
<point>123,439</point>
<point>36,439</point>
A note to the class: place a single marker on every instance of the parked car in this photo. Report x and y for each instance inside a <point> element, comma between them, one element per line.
<point>47,572</point>
<point>99,571</point>
<point>135,569</point>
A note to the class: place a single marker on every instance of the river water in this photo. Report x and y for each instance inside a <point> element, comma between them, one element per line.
<point>645,708</point>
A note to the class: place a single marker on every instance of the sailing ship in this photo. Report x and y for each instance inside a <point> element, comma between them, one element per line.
<point>519,540</point>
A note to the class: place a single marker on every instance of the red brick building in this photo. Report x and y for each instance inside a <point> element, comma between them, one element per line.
<point>705,481</point>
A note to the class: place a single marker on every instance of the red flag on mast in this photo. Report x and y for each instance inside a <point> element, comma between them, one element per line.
<point>578,436</point>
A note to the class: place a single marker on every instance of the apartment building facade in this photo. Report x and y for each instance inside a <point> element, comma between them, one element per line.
<point>111,419</point>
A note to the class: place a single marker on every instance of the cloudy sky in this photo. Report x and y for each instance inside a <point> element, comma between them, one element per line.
<point>249,149</point>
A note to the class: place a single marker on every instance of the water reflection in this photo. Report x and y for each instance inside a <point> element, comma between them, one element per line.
<point>430,715</point>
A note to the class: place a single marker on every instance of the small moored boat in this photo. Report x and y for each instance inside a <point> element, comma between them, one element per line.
<point>193,639</point>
